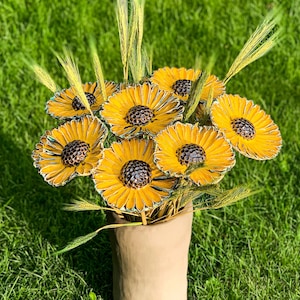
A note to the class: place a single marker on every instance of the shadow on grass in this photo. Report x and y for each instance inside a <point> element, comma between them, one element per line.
<point>40,205</point>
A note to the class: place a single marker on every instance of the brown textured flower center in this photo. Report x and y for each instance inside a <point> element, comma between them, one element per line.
<point>139,115</point>
<point>74,153</point>
<point>191,154</point>
<point>243,128</point>
<point>135,174</point>
<point>182,87</point>
<point>77,104</point>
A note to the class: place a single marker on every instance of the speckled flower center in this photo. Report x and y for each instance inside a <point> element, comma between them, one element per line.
<point>74,153</point>
<point>139,115</point>
<point>190,154</point>
<point>77,104</point>
<point>243,128</point>
<point>135,174</point>
<point>182,87</point>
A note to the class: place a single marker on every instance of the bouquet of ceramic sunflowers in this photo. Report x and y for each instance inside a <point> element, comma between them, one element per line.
<point>158,140</point>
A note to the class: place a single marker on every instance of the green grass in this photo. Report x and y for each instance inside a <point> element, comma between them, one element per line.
<point>247,251</point>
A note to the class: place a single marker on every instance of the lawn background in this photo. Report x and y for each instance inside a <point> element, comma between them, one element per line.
<point>246,251</point>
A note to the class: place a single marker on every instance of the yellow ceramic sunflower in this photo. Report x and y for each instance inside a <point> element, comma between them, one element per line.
<point>72,149</point>
<point>127,177</point>
<point>248,128</point>
<point>180,80</point>
<point>141,109</point>
<point>199,153</point>
<point>66,105</point>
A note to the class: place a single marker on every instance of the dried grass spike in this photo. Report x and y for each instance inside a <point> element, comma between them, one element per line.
<point>73,77</point>
<point>44,77</point>
<point>260,42</point>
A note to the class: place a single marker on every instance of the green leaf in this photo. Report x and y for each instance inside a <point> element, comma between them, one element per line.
<point>77,242</point>
<point>83,239</point>
<point>192,167</point>
<point>98,68</point>
<point>194,98</point>
<point>92,296</point>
